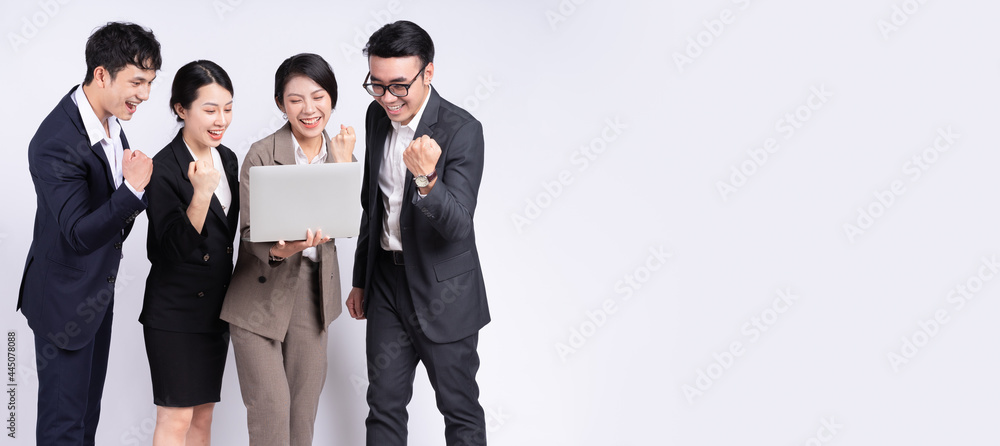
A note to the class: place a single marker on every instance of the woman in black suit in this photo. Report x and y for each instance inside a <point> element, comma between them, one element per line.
<point>193,212</point>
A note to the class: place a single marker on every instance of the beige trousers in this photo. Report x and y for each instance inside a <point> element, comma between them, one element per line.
<point>281,381</point>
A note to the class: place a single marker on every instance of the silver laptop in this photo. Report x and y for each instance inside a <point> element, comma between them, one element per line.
<point>286,200</point>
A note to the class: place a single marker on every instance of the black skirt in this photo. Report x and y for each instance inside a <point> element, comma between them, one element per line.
<point>186,368</point>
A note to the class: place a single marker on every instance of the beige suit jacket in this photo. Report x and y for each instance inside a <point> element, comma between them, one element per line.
<point>259,299</point>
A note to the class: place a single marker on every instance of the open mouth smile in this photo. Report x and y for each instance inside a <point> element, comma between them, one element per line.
<point>311,122</point>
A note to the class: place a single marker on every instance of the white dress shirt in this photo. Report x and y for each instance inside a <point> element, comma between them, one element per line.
<point>392,177</point>
<point>112,144</point>
<point>300,158</point>
<point>222,192</point>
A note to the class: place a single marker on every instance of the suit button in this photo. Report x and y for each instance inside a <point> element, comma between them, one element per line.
<point>229,250</point>
<point>201,294</point>
<point>118,245</point>
<point>262,279</point>
<point>111,279</point>
<point>205,258</point>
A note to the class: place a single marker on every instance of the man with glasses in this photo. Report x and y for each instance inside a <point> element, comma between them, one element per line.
<point>417,277</point>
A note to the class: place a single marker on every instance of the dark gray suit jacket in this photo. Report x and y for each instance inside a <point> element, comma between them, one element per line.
<point>439,240</point>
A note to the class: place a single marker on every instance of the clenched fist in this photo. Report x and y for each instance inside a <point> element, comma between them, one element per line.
<point>204,177</point>
<point>136,169</point>
<point>343,145</point>
<point>421,156</point>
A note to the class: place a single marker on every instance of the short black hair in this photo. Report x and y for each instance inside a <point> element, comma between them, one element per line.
<point>309,65</point>
<point>401,39</point>
<point>193,76</point>
<point>118,44</point>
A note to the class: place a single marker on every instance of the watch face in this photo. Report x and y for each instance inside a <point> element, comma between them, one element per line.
<point>421,181</point>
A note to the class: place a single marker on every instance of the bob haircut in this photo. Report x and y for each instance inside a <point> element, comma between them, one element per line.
<point>309,65</point>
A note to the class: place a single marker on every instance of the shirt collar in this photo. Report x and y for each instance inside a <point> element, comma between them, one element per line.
<point>416,118</point>
<point>211,150</point>
<point>91,123</point>
<point>300,155</point>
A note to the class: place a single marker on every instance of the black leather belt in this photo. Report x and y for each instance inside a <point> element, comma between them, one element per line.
<point>395,256</point>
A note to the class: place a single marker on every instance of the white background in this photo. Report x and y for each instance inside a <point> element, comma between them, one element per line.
<point>601,149</point>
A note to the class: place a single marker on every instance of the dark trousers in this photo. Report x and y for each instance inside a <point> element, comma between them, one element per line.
<point>70,385</point>
<point>395,344</point>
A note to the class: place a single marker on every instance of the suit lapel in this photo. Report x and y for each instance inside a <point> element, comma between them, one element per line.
<point>184,160</point>
<point>428,120</point>
<point>377,151</point>
<point>284,148</point>
<point>98,150</point>
<point>430,116</point>
<point>231,165</point>
<point>216,207</point>
<point>73,111</point>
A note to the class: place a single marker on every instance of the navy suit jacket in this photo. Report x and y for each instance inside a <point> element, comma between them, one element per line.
<point>81,221</point>
<point>190,271</point>
<point>439,241</point>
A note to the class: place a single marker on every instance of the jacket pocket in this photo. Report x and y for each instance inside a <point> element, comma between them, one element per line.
<point>454,266</point>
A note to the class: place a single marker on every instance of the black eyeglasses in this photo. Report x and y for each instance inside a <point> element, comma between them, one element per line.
<point>397,90</point>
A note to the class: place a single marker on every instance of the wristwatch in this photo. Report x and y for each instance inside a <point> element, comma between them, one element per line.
<point>425,180</point>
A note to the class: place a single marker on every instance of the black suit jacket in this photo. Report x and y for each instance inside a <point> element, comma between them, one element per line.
<point>81,221</point>
<point>439,240</point>
<point>190,271</point>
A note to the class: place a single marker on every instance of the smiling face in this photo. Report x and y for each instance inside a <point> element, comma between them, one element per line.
<point>401,70</point>
<point>208,118</point>
<point>121,95</point>
<point>308,107</point>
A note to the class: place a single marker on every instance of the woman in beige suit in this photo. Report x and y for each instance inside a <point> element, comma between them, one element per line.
<point>284,295</point>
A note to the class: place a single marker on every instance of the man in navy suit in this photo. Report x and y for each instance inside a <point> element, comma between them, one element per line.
<point>90,188</point>
<point>417,276</point>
